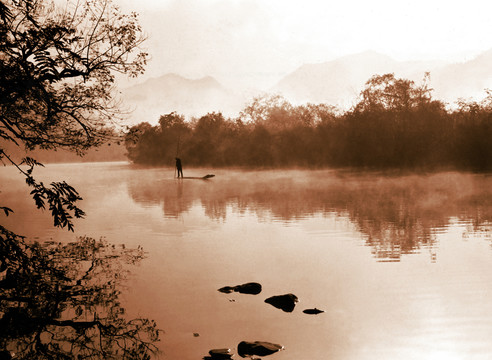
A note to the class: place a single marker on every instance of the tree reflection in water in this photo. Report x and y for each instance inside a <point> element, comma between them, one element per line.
<point>396,214</point>
<point>61,301</point>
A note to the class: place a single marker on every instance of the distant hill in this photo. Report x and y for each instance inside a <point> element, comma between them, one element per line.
<point>339,82</point>
<point>464,80</point>
<point>171,92</point>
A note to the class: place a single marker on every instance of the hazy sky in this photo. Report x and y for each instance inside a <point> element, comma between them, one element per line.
<point>256,42</point>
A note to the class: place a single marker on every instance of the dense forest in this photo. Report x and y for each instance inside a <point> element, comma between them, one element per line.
<point>396,124</point>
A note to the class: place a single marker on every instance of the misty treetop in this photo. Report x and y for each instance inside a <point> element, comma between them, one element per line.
<point>395,124</point>
<point>215,140</point>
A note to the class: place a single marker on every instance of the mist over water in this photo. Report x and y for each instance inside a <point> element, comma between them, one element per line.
<point>399,263</point>
<point>396,214</point>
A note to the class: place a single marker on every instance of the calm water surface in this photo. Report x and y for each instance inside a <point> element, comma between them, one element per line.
<point>401,265</point>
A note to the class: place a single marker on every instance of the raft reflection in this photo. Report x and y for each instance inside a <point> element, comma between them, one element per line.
<point>397,215</point>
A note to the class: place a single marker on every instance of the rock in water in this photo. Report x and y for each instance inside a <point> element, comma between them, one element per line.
<point>226,289</point>
<point>251,288</point>
<point>313,311</point>
<point>260,348</point>
<point>219,354</point>
<point>285,302</point>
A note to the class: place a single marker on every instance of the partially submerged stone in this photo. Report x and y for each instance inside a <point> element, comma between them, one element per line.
<point>219,354</point>
<point>227,289</point>
<point>285,302</point>
<point>251,288</point>
<point>313,311</point>
<point>260,348</point>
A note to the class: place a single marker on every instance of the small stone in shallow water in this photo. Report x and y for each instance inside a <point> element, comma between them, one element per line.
<point>285,302</point>
<point>226,289</point>
<point>219,354</point>
<point>313,311</point>
<point>251,288</point>
<point>260,348</point>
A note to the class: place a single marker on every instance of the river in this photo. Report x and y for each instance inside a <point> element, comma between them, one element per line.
<point>400,264</point>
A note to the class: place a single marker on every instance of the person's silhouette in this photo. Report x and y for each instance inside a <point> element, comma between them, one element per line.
<point>179,167</point>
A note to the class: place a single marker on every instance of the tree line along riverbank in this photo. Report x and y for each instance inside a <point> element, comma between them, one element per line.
<point>395,124</point>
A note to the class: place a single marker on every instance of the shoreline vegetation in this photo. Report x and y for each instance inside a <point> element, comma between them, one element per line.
<point>395,128</point>
<point>396,125</point>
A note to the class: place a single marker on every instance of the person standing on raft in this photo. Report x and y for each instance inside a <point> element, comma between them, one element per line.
<point>179,167</point>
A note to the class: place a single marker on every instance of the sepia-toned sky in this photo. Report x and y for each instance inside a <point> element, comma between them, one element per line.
<point>253,43</point>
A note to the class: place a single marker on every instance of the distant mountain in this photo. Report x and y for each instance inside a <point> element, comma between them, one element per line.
<point>171,92</point>
<point>339,82</point>
<point>464,80</point>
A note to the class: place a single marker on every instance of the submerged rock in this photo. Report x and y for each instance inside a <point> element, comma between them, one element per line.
<point>313,311</point>
<point>260,348</point>
<point>227,289</point>
<point>251,288</point>
<point>219,354</point>
<point>285,302</point>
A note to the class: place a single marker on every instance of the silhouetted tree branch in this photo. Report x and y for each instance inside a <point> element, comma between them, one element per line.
<point>57,71</point>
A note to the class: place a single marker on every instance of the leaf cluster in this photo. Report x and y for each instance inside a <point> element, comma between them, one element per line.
<point>60,197</point>
<point>57,74</point>
<point>57,70</point>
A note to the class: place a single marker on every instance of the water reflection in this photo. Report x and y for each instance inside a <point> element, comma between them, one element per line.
<point>293,232</point>
<point>62,302</point>
<point>397,215</point>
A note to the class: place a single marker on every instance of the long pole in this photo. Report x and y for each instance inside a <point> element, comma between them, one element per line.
<point>177,152</point>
